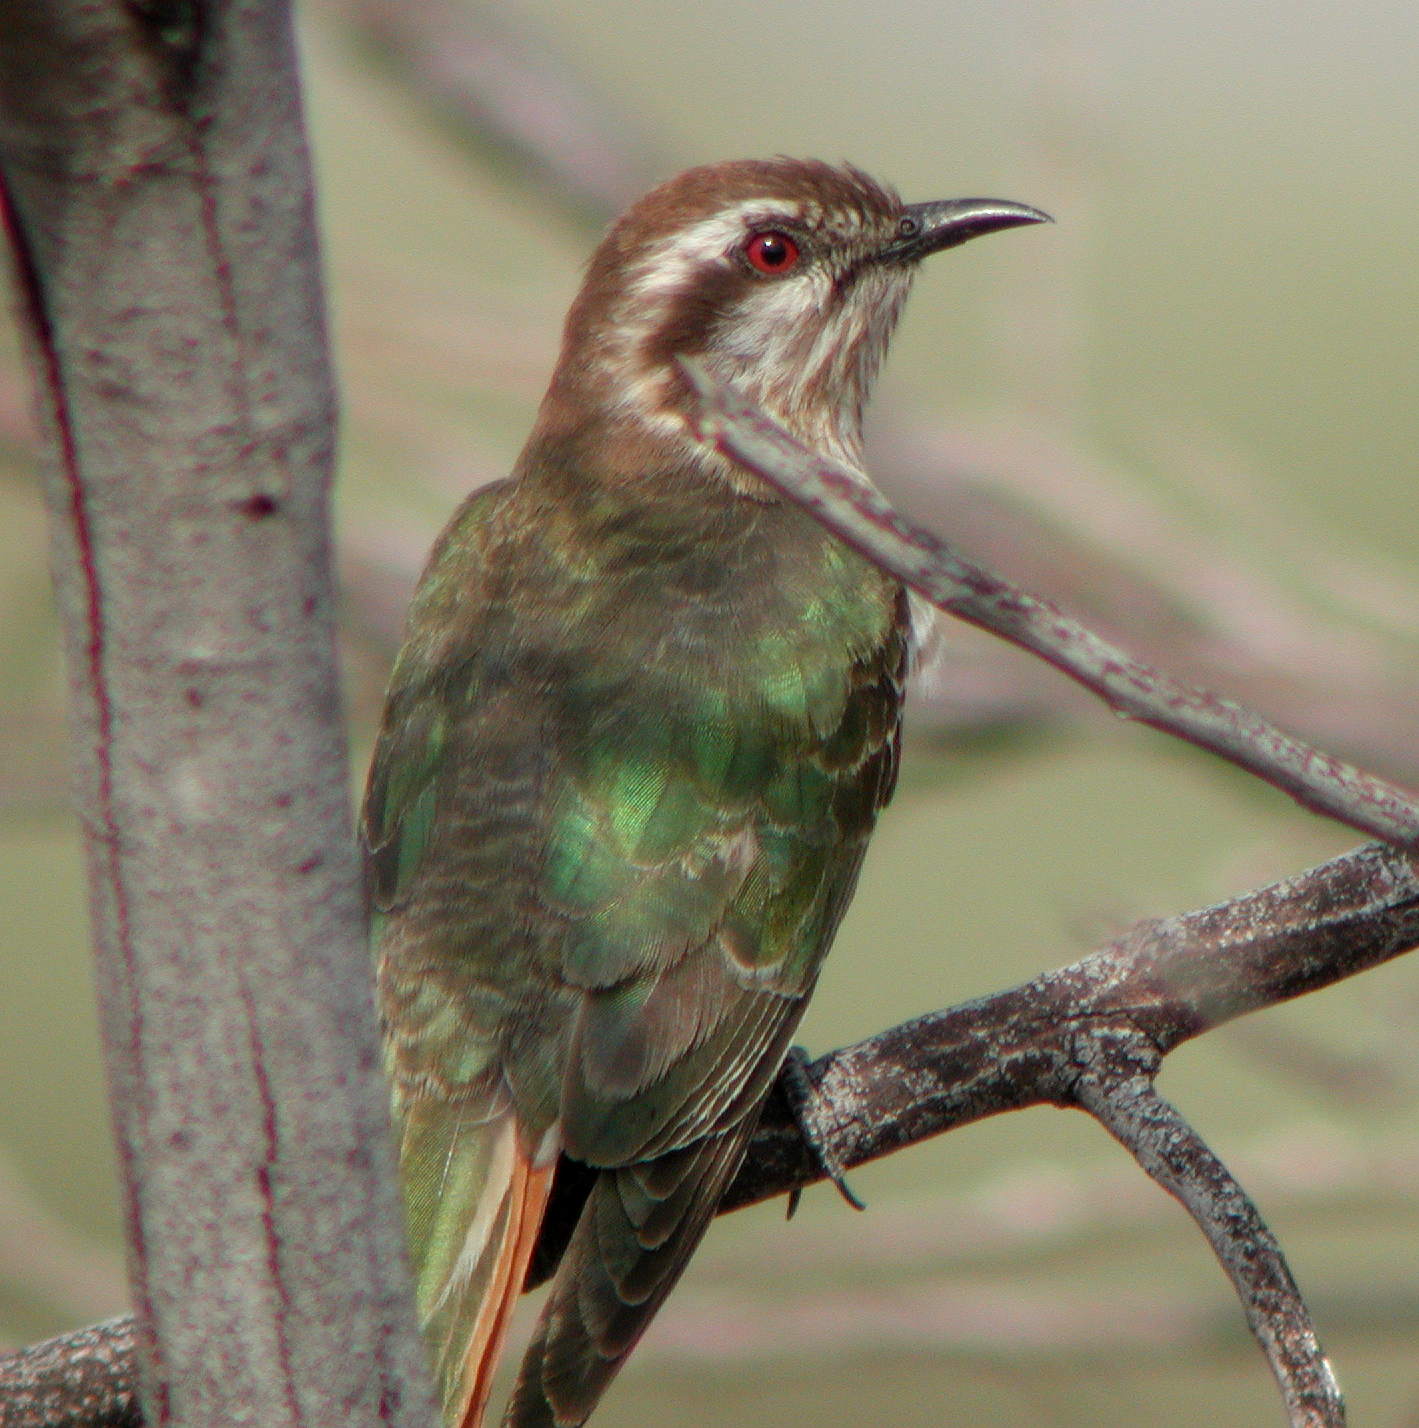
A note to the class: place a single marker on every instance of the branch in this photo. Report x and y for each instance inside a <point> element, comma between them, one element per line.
<point>1168,980</point>
<point>1090,537</point>
<point>1163,981</point>
<point>1092,1035</point>
<point>844,501</point>
<point>1117,1090</point>
<point>88,1378</point>
<point>1323,648</point>
<point>156,191</point>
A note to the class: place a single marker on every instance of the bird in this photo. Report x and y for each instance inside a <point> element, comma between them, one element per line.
<point>640,727</point>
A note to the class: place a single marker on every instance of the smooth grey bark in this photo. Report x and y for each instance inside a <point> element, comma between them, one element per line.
<point>157,194</point>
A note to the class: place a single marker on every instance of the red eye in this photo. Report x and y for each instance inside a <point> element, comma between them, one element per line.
<point>772,253</point>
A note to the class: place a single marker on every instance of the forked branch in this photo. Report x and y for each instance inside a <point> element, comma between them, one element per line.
<point>1044,1043</point>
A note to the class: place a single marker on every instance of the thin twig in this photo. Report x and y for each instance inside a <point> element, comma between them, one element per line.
<point>853,509</point>
<point>1115,1086</point>
<point>497,86</point>
<point>1320,656</point>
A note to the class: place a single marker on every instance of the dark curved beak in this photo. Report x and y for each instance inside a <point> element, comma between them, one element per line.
<point>943,223</point>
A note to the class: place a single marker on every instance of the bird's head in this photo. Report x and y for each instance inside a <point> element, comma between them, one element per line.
<point>783,276</point>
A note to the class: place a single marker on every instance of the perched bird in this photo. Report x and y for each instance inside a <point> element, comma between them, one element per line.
<point>639,731</point>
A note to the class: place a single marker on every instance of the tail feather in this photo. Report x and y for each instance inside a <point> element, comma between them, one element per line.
<point>475,1196</point>
<point>526,1199</point>
<point>631,1244</point>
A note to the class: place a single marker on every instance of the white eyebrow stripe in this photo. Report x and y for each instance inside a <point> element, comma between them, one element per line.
<point>665,269</point>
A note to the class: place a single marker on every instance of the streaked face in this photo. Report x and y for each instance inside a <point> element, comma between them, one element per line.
<point>779,288</point>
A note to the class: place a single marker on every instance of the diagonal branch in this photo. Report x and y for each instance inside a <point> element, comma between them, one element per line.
<point>853,509</point>
<point>1161,984</point>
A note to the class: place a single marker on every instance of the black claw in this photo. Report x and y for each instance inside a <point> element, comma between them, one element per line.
<point>802,1097</point>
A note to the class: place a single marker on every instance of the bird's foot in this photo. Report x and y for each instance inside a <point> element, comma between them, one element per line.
<point>803,1102</point>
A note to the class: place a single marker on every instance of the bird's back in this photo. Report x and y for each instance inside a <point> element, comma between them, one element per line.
<point>632,752</point>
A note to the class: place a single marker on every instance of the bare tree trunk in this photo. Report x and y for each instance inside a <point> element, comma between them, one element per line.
<point>157,194</point>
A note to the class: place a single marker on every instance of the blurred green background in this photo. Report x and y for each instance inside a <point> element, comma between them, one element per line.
<point>1193,402</point>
